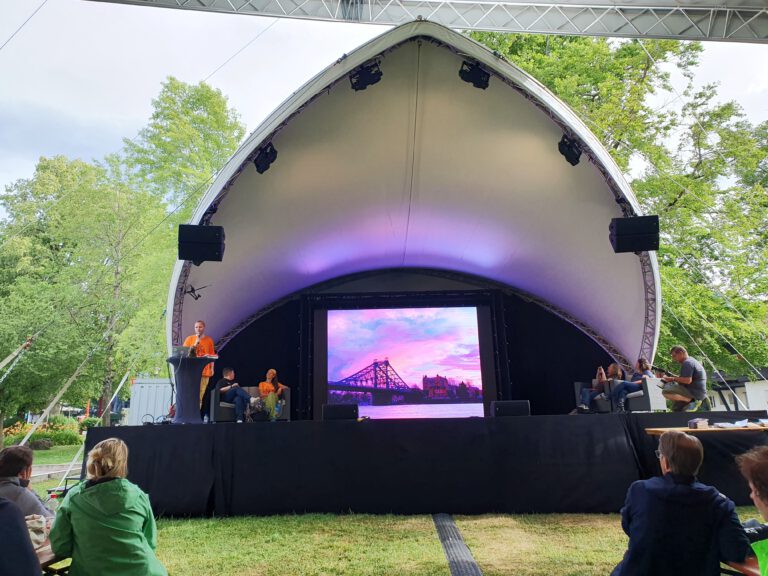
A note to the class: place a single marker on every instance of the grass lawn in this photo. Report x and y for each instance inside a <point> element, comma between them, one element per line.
<point>56,455</point>
<point>320,544</point>
<point>545,544</point>
<point>312,544</point>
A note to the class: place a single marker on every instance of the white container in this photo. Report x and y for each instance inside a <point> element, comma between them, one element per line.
<point>150,401</point>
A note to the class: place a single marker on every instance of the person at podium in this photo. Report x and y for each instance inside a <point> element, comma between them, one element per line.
<point>203,346</point>
<point>271,391</point>
<point>231,392</point>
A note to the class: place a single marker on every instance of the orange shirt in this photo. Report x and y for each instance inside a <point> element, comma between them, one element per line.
<point>204,348</point>
<point>266,388</point>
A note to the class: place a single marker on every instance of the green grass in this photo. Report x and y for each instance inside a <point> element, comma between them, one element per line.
<point>309,545</point>
<point>352,545</point>
<point>563,544</point>
<point>545,544</point>
<point>56,455</point>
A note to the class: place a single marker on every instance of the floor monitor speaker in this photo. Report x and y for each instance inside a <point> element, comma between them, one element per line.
<point>504,408</point>
<point>340,412</point>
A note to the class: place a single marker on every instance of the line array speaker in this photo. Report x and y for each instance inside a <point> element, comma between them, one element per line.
<point>201,243</point>
<point>636,234</point>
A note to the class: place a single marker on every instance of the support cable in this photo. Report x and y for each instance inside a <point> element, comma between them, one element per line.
<point>68,383</point>
<point>112,399</point>
<point>713,327</point>
<point>704,355</point>
<point>23,24</point>
<point>730,303</point>
<point>76,457</point>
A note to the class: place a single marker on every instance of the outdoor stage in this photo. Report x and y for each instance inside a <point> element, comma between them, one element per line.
<point>534,464</point>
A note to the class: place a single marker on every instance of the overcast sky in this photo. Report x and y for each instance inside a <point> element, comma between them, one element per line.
<point>81,75</point>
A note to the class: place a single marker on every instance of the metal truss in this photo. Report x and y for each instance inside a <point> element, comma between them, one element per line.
<point>729,20</point>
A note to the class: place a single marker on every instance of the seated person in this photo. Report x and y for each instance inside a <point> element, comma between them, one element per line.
<point>106,524</point>
<point>231,392</point>
<point>270,391</point>
<point>601,378</point>
<point>676,525</point>
<point>634,384</point>
<point>17,555</point>
<point>689,390</point>
<point>15,472</point>
<point>754,467</point>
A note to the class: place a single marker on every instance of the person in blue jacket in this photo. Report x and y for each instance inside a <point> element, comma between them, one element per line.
<point>676,525</point>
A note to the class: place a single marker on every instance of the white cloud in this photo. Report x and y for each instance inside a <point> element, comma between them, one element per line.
<point>81,75</point>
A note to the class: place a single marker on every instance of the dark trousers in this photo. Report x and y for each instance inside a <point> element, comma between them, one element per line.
<point>240,398</point>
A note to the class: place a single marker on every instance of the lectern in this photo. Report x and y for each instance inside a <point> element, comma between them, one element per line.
<point>187,373</point>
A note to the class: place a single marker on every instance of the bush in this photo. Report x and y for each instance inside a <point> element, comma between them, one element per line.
<point>60,422</point>
<point>42,444</point>
<point>56,437</point>
<point>87,423</point>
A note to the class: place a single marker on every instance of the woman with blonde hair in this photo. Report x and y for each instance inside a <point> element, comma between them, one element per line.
<point>106,523</point>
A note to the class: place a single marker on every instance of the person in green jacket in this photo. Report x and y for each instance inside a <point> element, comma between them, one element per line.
<point>106,523</point>
<point>754,467</point>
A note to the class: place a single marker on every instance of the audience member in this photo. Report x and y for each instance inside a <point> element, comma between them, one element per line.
<point>15,473</point>
<point>634,384</point>
<point>271,391</point>
<point>754,467</point>
<point>231,392</point>
<point>689,389</point>
<point>17,556</point>
<point>600,385</point>
<point>676,525</point>
<point>106,523</point>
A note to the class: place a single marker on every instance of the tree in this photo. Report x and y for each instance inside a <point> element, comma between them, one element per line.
<point>191,134</point>
<point>87,250</point>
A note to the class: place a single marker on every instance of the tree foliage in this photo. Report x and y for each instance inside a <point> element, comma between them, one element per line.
<point>87,249</point>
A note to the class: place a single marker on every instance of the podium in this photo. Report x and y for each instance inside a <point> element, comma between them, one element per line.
<point>187,373</point>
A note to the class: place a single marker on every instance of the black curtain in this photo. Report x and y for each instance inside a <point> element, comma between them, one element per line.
<point>272,341</point>
<point>546,356</point>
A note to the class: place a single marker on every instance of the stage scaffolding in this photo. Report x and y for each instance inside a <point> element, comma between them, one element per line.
<point>724,20</point>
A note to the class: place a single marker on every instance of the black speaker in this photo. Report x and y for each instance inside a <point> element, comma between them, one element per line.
<point>340,412</point>
<point>636,234</point>
<point>201,243</point>
<point>503,408</point>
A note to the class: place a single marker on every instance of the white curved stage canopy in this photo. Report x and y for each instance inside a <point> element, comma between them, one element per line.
<point>730,20</point>
<point>423,170</point>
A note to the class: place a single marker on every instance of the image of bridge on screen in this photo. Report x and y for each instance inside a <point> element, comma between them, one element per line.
<point>406,362</point>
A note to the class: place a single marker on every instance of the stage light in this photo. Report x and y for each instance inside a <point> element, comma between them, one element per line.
<point>570,148</point>
<point>472,73</point>
<point>264,158</point>
<point>366,75</point>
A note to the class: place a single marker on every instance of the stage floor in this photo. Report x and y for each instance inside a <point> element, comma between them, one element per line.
<point>534,464</point>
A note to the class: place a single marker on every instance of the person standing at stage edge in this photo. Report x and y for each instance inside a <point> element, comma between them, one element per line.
<point>690,388</point>
<point>203,346</point>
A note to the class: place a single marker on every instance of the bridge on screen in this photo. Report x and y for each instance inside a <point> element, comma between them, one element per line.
<point>381,381</point>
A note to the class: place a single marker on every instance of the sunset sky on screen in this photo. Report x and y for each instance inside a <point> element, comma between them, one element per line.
<point>417,341</point>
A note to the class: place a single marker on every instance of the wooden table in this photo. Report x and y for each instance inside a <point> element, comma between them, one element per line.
<point>660,431</point>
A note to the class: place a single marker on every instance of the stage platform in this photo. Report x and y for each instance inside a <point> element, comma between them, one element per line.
<point>535,464</point>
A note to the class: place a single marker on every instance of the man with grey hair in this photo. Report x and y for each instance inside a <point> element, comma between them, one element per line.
<point>676,525</point>
<point>690,388</point>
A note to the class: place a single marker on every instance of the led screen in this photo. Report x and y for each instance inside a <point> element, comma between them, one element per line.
<point>406,362</point>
